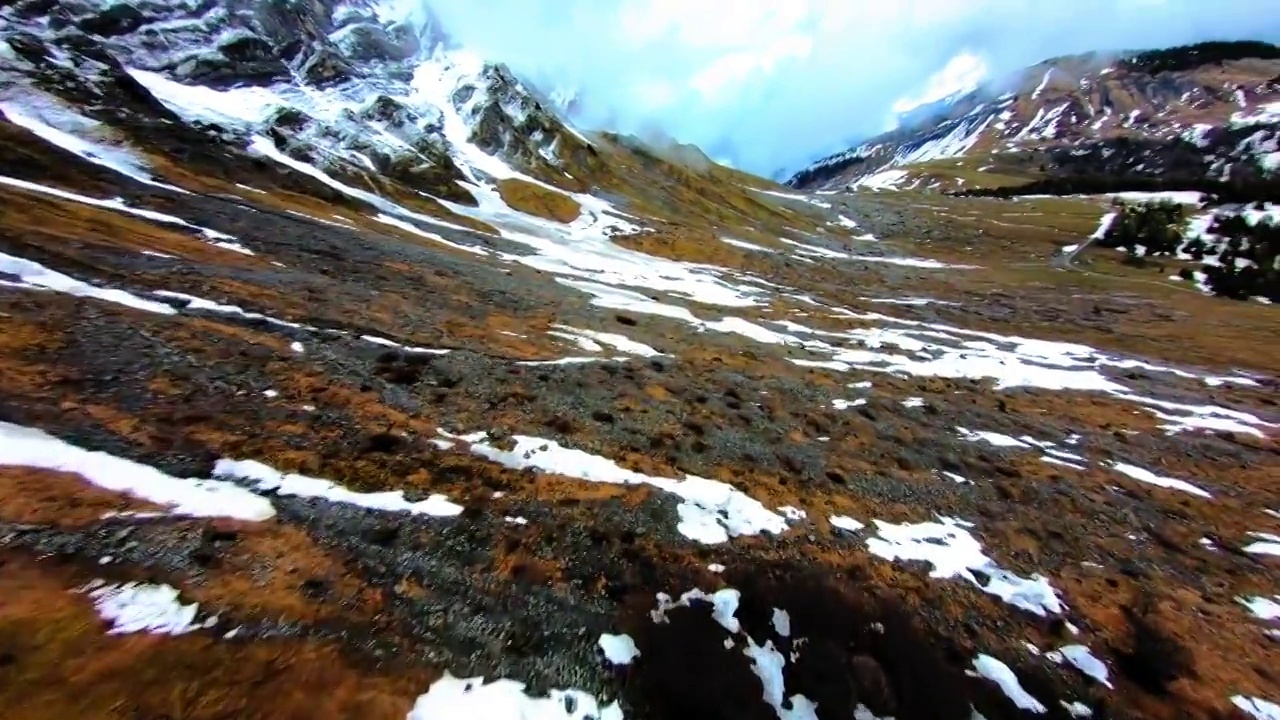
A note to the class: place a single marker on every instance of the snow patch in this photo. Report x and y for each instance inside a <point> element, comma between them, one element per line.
<point>1077,709</point>
<point>34,276</point>
<point>710,512</point>
<point>27,447</point>
<point>1267,544</point>
<point>144,608</point>
<point>746,245</point>
<point>268,479</point>
<point>844,522</point>
<point>1084,661</point>
<point>377,340</point>
<point>1104,225</point>
<point>1257,707</point>
<point>1044,82</point>
<point>724,606</point>
<point>618,649</point>
<point>1262,607</point>
<point>1180,197</point>
<point>52,122</point>
<point>616,341</point>
<point>452,697</point>
<point>1146,476</point>
<point>781,622</point>
<point>883,180</point>
<point>954,553</point>
<point>991,438</point>
<point>999,673</point>
<point>794,514</point>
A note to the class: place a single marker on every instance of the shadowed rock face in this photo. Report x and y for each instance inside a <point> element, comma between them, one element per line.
<point>466,392</point>
<point>286,21</point>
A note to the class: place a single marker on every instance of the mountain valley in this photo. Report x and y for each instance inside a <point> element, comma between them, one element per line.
<point>344,377</point>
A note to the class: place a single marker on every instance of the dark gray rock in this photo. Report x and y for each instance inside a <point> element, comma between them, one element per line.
<point>367,42</point>
<point>119,18</point>
<point>326,66</point>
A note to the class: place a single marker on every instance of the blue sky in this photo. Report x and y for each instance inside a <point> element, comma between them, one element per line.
<point>771,85</point>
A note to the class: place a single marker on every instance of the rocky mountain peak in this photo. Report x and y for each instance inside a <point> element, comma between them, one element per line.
<point>333,82</point>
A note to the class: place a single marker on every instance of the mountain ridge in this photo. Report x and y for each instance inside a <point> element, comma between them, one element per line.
<point>1083,102</point>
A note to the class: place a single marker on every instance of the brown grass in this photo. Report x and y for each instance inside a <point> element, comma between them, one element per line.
<point>59,662</point>
<point>261,574</point>
<point>248,336</point>
<point>494,333</point>
<point>65,500</point>
<point>280,198</point>
<point>710,199</point>
<point>691,245</point>
<point>24,343</point>
<point>1233,655</point>
<point>966,173</point>
<point>66,226</point>
<point>537,200</point>
<point>1161,318</point>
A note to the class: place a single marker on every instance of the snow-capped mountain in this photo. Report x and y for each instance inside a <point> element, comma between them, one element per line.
<point>345,86</point>
<point>1210,109</point>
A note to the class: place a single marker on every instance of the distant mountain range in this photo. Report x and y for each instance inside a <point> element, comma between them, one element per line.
<point>1207,112</point>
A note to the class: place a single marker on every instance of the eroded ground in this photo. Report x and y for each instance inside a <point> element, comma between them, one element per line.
<point>895,422</point>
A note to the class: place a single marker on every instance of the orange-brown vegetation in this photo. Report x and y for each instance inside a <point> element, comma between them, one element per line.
<point>47,497</point>
<point>537,200</point>
<point>58,661</point>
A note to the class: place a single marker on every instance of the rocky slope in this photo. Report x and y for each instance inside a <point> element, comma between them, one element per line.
<point>342,378</point>
<point>1202,112</point>
<point>329,84</point>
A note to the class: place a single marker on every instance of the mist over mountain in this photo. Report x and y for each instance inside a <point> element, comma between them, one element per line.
<point>768,88</point>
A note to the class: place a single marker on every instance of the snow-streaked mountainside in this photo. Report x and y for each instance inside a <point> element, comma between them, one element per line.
<point>345,86</point>
<point>1212,109</point>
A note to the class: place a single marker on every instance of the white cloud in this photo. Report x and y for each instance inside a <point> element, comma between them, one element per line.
<point>654,94</point>
<point>725,76</point>
<point>730,24</point>
<point>961,74</point>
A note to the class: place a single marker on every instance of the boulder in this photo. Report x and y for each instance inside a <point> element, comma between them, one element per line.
<point>116,19</point>
<point>247,47</point>
<point>217,70</point>
<point>286,21</point>
<point>390,111</point>
<point>326,66</point>
<point>288,119</point>
<point>366,42</point>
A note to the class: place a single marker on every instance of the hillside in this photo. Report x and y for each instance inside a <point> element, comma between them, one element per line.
<point>1206,113</point>
<point>344,378</point>
<point>1198,125</point>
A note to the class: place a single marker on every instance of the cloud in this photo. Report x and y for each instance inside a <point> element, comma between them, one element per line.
<point>723,79</point>
<point>772,85</point>
<point>962,73</point>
